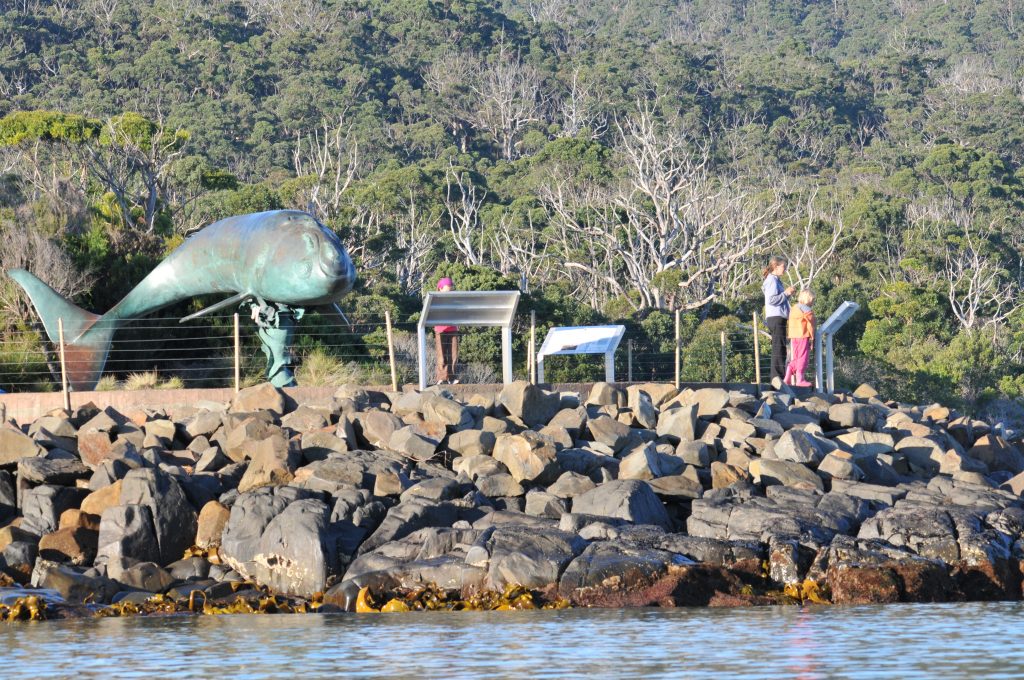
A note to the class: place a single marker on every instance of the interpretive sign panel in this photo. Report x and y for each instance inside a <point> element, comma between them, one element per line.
<point>582,340</point>
<point>825,333</point>
<point>469,308</point>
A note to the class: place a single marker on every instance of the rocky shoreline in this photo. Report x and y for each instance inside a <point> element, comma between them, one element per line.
<point>622,497</point>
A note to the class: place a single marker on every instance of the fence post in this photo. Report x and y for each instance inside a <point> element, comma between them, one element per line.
<point>532,359</point>
<point>63,366</point>
<point>629,360</point>
<point>757,359</point>
<point>391,352</point>
<point>677,351</point>
<point>723,358</point>
<point>238,357</point>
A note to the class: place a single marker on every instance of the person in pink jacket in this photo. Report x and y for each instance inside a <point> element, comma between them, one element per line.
<point>447,344</point>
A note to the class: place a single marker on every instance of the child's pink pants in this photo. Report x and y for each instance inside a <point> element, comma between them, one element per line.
<point>801,348</point>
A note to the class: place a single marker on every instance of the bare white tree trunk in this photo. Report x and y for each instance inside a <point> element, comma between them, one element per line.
<point>462,201</point>
<point>669,223</point>
<point>329,155</point>
<point>809,254</point>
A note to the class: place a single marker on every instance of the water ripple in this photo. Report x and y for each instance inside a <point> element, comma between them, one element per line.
<point>907,641</point>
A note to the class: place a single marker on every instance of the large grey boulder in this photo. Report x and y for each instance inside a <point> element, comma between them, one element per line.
<point>472,443</point>
<point>610,432</point>
<point>250,515</point>
<point>298,551</point>
<point>787,473</point>
<point>529,457</point>
<point>846,415</point>
<point>53,468</point>
<point>526,556</point>
<point>628,499</point>
<point>606,394</point>
<point>15,445</point>
<point>41,506</point>
<point>127,536</point>
<point>450,413</point>
<point>378,426</point>
<point>530,403</point>
<point>679,424</point>
<point>796,446</point>
<point>572,420</point>
<point>354,468</point>
<point>407,517</point>
<point>73,584</point>
<point>610,568</point>
<point>174,518</point>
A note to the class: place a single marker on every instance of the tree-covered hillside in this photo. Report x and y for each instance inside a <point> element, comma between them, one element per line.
<point>617,159</point>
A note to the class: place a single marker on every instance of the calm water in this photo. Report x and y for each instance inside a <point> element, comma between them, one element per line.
<point>964,640</point>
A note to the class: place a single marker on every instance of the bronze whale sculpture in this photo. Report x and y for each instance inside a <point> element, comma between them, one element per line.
<point>285,257</point>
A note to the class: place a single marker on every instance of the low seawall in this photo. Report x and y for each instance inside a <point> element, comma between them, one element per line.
<point>24,407</point>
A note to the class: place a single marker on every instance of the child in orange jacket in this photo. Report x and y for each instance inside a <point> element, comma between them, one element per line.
<point>801,332</point>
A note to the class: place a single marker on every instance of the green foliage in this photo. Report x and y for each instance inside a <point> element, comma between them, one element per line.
<point>46,126</point>
<point>128,130</point>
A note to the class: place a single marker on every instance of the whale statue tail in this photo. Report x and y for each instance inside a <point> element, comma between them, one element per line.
<point>87,336</point>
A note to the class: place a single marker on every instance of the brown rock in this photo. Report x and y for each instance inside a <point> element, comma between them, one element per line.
<point>9,534</point>
<point>212,519</point>
<point>797,475</point>
<point>74,544</point>
<point>723,475</point>
<point>307,419</point>
<point>997,454</point>
<point>989,580</point>
<point>274,461</point>
<point>925,581</point>
<point>856,584</point>
<point>865,391</point>
<point>73,518</point>
<point>679,424</point>
<point>641,463</point>
<point>98,501</point>
<point>262,397</point>
<point>242,436</point>
<point>14,444</point>
<point>1014,485</point>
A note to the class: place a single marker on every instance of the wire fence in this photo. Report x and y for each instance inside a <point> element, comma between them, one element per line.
<point>161,352</point>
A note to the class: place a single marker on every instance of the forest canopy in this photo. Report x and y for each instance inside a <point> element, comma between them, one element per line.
<point>617,161</point>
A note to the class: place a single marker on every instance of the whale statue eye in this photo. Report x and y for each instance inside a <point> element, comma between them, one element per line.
<point>305,268</point>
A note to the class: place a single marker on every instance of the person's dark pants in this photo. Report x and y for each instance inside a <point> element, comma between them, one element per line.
<point>778,325</point>
<point>447,355</point>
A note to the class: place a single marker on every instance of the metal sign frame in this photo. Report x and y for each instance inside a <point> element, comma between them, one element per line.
<point>469,308</point>
<point>824,333</point>
<point>576,342</point>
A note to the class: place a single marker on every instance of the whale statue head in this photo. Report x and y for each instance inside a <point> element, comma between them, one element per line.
<point>308,265</point>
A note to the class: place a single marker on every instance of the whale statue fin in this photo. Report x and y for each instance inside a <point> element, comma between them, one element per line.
<point>86,338</point>
<point>234,299</point>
